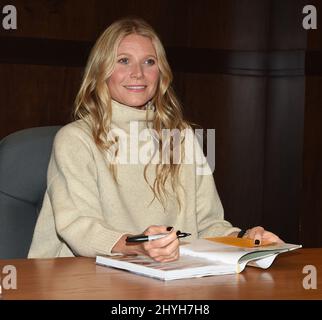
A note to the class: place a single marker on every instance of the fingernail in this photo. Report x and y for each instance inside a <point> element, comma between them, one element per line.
<point>178,232</point>
<point>257,242</point>
<point>169,228</point>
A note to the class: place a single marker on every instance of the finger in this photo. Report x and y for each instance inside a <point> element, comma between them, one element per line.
<point>256,234</point>
<point>271,237</point>
<point>165,252</point>
<point>172,257</point>
<point>251,232</point>
<point>155,229</point>
<point>163,242</point>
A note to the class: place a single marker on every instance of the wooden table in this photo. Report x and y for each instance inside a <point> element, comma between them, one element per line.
<point>81,278</point>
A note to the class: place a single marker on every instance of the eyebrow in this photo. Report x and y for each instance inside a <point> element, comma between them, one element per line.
<point>128,54</point>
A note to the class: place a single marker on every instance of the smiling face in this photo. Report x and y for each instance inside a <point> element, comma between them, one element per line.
<point>135,78</point>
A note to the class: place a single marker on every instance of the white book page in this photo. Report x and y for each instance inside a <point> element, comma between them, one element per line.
<point>234,255</point>
<point>185,267</point>
<point>263,263</point>
<point>213,251</point>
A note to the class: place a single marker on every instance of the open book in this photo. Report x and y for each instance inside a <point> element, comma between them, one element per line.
<point>200,258</point>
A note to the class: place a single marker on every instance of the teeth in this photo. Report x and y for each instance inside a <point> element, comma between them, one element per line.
<point>135,87</point>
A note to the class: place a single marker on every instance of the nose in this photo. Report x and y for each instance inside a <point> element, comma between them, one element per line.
<point>136,71</point>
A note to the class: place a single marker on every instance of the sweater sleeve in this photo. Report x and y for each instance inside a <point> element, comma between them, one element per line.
<point>209,210</point>
<point>210,213</point>
<point>74,196</point>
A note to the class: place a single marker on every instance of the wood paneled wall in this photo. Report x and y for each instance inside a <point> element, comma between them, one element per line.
<point>239,67</point>
<point>311,213</point>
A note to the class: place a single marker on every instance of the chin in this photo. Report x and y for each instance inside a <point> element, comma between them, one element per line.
<point>136,103</point>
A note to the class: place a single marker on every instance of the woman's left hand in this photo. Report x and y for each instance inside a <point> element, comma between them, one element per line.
<point>259,234</point>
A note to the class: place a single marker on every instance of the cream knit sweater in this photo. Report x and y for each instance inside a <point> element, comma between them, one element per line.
<point>85,212</point>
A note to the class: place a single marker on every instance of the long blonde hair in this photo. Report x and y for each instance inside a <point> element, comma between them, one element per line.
<point>93,101</point>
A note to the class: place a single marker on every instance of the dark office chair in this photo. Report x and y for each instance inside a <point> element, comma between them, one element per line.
<point>24,157</point>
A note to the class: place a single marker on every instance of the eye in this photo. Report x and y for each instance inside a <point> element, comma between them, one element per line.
<point>150,62</point>
<point>123,61</point>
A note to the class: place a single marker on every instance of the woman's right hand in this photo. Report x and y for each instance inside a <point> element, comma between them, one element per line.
<point>165,249</point>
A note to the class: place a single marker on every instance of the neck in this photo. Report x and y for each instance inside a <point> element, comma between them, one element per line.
<point>147,106</point>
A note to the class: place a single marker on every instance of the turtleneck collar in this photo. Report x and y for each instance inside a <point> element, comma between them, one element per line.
<point>122,116</point>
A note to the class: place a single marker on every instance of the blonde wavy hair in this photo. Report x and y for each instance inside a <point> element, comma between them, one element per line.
<point>93,101</point>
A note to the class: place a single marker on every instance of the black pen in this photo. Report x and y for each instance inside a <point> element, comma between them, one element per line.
<point>143,237</point>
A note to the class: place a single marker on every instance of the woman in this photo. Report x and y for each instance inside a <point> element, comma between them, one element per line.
<point>92,203</point>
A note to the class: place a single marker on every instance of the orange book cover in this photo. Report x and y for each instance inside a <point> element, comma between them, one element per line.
<point>240,242</point>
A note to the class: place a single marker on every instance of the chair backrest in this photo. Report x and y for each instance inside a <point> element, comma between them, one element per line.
<point>24,157</point>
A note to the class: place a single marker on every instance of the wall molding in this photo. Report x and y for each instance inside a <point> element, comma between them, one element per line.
<point>68,53</point>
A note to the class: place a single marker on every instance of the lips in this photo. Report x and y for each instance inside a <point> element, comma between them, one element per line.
<point>135,88</point>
